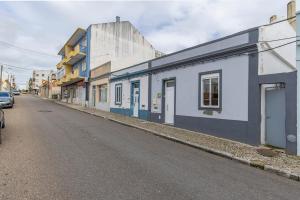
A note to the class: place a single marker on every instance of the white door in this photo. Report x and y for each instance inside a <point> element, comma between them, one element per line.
<point>169,101</point>
<point>136,94</point>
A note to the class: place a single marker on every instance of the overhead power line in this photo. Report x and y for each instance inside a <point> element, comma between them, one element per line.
<point>283,20</point>
<point>276,47</point>
<point>256,52</point>
<point>280,39</point>
<point>28,50</point>
<point>13,66</point>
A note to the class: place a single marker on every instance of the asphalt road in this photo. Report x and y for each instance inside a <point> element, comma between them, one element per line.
<point>67,154</point>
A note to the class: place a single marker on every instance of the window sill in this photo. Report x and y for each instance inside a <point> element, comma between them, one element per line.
<point>219,109</point>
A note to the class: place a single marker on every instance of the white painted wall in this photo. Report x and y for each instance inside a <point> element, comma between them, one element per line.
<point>281,59</point>
<point>80,96</point>
<point>99,105</point>
<point>39,78</point>
<point>126,85</point>
<point>121,43</point>
<point>234,89</point>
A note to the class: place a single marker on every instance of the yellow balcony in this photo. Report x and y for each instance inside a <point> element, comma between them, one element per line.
<point>66,78</point>
<point>75,74</point>
<point>61,63</point>
<point>59,82</point>
<point>75,55</point>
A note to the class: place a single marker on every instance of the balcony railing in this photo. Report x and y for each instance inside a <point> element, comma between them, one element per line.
<point>75,74</point>
<point>59,82</point>
<point>78,52</point>
<point>66,78</point>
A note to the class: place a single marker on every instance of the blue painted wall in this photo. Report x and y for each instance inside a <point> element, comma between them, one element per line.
<point>121,111</point>
<point>143,114</point>
<point>88,49</point>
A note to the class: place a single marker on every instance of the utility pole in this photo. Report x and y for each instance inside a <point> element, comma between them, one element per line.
<point>48,86</point>
<point>1,70</point>
<point>10,82</point>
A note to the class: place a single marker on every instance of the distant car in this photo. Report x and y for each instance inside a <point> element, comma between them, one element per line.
<point>2,122</point>
<point>16,92</point>
<point>6,100</point>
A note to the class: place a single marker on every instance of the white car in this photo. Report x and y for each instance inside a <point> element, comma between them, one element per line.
<point>16,92</point>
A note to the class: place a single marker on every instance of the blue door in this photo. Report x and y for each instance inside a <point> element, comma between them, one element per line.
<point>275,117</point>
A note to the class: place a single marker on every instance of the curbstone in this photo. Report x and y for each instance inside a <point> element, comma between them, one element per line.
<point>253,163</point>
<point>294,177</point>
<point>280,172</point>
<point>257,164</point>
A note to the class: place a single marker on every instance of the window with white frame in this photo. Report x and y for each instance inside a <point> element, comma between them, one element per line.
<point>210,90</point>
<point>118,94</point>
<point>103,93</point>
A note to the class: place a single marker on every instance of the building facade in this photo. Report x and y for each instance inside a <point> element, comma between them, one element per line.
<point>130,94</point>
<point>114,46</point>
<point>38,76</point>
<point>117,44</point>
<point>72,70</point>
<point>241,87</point>
<point>49,88</point>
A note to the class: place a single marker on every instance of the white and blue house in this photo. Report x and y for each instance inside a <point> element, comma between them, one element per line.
<point>241,87</point>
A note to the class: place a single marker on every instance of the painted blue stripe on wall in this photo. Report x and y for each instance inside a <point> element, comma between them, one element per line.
<point>88,51</point>
<point>121,111</point>
<point>143,114</point>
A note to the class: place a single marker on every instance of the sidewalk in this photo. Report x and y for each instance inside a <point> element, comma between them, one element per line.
<point>282,164</point>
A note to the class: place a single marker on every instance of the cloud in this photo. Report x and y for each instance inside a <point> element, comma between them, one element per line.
<point>168,25</point>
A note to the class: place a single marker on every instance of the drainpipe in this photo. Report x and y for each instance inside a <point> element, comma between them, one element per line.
<point>298,83</point>
<point>86,82</point>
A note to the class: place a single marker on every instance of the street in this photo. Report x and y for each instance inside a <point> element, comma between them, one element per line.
<point>53,152</point>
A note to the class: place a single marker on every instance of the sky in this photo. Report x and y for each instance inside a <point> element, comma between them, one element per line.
<point>168,25</point>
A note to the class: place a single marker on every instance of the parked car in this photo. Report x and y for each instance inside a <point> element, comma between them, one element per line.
<point>2,123</point>
<point>16,92</point>
<point>6,100</point>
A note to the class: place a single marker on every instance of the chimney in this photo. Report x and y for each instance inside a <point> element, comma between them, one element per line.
<point>273,19</point>
<point>117,19</point>
<point>291,13</point>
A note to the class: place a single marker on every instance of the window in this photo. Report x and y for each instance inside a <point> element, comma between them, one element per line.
<point>210,90</point>
<point>83,65</point>
<point>37,75</point>
<point>118,94</point>
<point>103,93</point>
<point>43,75</point>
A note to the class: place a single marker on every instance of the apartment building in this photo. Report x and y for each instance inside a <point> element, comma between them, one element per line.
<point>38,76</point>
<point>91,54</point>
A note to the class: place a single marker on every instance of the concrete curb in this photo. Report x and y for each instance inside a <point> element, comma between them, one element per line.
<point>252,163</point>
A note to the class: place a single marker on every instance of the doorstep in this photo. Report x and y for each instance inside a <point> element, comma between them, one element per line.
<point>282,164</point>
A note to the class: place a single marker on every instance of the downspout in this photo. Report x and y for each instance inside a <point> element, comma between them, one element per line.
<point>298,82</point>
